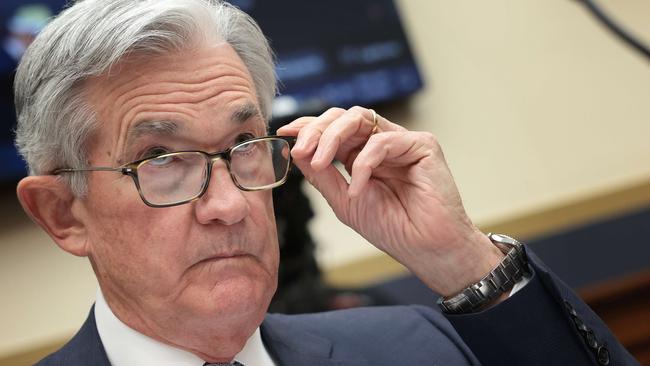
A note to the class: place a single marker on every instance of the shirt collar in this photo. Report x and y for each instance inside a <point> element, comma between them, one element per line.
<point>125,346</point>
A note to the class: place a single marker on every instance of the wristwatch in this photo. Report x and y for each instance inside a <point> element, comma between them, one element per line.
<point>502,278</point>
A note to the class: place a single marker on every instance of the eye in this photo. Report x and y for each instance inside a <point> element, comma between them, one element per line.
<point>154,155</point>
<point>245,148</point>
<point>163,160</point>
<point>154,152</point>
<point>244,137</point>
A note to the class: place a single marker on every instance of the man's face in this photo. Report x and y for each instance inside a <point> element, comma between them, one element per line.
<point>209,266</point>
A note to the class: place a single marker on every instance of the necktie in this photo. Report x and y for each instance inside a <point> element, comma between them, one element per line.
<point>234,363</point>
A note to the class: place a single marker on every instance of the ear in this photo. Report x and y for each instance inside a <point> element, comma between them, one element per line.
<point>49,202</point>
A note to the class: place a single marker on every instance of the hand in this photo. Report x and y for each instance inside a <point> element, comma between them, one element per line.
<point>401,196</point>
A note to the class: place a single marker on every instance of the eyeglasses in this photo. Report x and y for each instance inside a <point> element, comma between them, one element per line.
<point>180,177</point>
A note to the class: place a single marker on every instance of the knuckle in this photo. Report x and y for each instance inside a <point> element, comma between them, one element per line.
<point>358,112</point>
<point>303,120</point>
<point>307,130</point>
<point>357,109</point>
<point>373,139</point>
<point>432,142</point>
<point>381,138</point>
<point>356,117</point>
<point>334,111</point>
<point>329,133</point>
<point>429,139</point>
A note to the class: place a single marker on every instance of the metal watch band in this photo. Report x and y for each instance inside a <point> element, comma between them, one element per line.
<point>502,278</point>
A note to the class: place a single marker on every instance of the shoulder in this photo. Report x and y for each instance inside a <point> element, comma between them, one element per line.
<point>365,318</point>
<point>404,332</point>
<point>85,348</point>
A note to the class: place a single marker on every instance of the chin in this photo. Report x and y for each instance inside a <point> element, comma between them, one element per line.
<point>231,293</point>
<point>232,296</point>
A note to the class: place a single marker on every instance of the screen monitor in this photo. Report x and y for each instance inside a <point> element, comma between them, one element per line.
<point>329,53</point>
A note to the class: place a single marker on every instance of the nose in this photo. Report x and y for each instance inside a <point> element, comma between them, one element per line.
<point>222,202</point>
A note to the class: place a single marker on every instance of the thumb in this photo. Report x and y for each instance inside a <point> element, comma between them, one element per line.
<point>330,183</point>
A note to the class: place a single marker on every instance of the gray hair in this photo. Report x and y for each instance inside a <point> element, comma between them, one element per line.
<point>86,39</point>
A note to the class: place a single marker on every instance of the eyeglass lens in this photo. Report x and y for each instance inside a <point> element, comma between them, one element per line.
<point>176,177</point>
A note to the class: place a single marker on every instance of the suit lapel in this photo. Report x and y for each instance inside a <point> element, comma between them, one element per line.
<point>84,349</point>
<point>288,344</point>
<point>292,346</point>
<point>92,351</point>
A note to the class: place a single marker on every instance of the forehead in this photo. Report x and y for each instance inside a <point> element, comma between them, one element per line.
<point>207,88</point>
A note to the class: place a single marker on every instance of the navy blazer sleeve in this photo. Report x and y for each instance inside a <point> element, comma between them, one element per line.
<point>545,323</point>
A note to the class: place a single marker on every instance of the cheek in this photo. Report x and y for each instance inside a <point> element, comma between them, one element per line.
<point>130,242</point>
<point>147,251</point>
<point>263,217</point>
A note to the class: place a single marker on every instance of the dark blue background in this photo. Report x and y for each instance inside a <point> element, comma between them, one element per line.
<point>330,53</point>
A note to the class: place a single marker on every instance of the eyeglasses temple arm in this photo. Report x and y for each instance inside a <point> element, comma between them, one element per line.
<point>123,170</point>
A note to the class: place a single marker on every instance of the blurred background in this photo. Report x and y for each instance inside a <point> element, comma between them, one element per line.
<point>544,116</point>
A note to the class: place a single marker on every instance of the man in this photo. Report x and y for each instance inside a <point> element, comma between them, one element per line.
<point>118,103</point>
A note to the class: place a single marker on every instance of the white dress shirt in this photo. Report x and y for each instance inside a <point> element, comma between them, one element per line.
<point>519,285</point>
<point>127,347</point>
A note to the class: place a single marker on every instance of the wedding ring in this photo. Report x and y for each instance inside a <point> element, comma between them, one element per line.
<point>375,122</point>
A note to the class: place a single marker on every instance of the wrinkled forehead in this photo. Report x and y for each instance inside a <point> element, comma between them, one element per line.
<point>141,92</point>
<point>192,64</point>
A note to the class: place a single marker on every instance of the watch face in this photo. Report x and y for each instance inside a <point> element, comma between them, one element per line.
<point>503,239</point>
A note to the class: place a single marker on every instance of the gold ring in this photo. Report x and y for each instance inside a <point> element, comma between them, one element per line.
<point>375,122</point>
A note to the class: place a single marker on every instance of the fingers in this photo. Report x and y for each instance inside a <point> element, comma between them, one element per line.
<point>336,134</point>
<point>330,183</point>
<point>392,149</point>
<point>292,129</point>
<point>355,122</point>
<point>309,131</point>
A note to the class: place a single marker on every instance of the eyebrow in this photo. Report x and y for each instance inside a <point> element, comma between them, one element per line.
<point>245,112</point>
<point>240,115</point>
<point>150,127</point>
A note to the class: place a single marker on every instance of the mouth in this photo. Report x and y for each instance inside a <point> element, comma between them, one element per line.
<point>224,256</point>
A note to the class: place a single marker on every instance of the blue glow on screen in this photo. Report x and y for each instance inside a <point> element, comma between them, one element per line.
<point>320,63</point>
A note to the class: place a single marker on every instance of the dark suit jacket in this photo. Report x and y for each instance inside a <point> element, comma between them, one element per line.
<point>545,323</point>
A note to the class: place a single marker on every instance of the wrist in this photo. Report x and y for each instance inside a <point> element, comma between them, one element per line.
<point>495,285</point>
<point>478,258</point>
